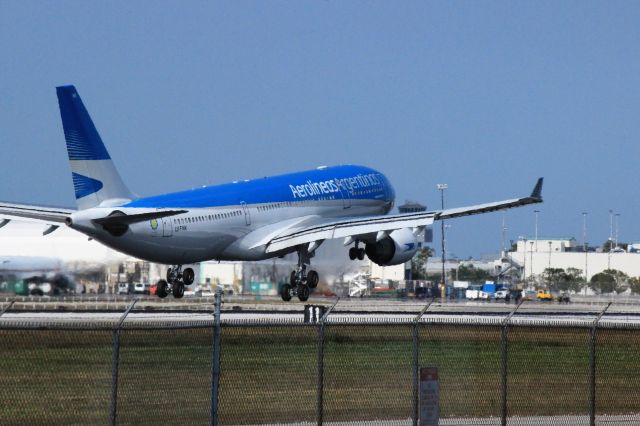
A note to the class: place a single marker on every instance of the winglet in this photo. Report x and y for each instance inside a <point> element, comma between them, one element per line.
<point>537,190</point>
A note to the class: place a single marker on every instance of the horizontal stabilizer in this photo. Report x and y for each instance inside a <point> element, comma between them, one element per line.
<point>119,218</point>
<point>50,229</point>
<point>49,215</point>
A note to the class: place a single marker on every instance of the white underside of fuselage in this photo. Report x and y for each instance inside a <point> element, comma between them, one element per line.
<point>222,233</point>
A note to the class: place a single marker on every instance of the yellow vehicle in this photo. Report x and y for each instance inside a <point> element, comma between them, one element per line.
<point>544,295</point>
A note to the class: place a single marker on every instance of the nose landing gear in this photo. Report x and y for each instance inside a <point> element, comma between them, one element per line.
<point>176,280</point>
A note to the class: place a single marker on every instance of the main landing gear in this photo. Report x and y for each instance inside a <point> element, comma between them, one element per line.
<point>300,282</point>
<point>356,252</point>
<point>175,282</point>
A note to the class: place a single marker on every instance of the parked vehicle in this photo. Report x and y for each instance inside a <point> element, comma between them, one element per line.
<point>123,288</point>
<point>503,293</point>
<point>544,295</point>
<point>138,288</point>
<point>483,295</point>
<point>471,294</point>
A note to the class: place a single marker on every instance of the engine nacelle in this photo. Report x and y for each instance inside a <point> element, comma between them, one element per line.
<point>400,246</point>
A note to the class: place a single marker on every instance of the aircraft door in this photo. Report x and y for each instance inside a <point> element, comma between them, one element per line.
<point>247,213</point>
<point>346,198</point>
<point>167,227</point>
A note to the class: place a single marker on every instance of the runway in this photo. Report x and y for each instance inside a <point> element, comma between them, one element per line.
<point>452,315</point>
<point>149,311</point>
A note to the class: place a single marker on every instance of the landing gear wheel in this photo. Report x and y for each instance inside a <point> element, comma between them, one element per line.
<point>285,293</point>
<point>360,254</point>
<point>303,293</point>
<point>293,280</point>
<point>187,276</point>
<point>312,279</point>
<point>353,253</point>
<point>178,290</point>
<point>162,289</point>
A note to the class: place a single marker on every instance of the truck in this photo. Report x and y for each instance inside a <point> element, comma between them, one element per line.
<point>503,293</point>
<point>544,295</point>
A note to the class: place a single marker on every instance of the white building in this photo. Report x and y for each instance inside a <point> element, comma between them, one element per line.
<point>534,256</point>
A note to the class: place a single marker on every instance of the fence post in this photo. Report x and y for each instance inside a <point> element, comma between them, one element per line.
<point>416,323</point>
<point>215,375</point>
<point>6,308</point>
<point>322,322</point>
<point>592,368</point>
<point>115,359</point>
<point>504,363</point>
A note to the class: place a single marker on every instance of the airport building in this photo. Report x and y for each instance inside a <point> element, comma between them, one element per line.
<point>536,255</point>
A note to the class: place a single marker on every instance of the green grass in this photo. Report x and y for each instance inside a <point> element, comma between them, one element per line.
<point>269,374</point>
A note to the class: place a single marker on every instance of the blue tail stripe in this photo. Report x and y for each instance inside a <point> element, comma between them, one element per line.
<point>84,185</point>
<point>83,140</point>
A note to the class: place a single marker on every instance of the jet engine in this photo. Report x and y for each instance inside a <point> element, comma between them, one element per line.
<point>394,249</point>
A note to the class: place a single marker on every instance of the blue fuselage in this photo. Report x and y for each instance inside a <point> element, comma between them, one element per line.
<point>229,221</point>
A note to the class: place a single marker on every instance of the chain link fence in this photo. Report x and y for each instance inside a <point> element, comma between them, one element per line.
<point>492,371</point>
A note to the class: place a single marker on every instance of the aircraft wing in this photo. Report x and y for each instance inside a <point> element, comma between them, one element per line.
<point>370,227</point>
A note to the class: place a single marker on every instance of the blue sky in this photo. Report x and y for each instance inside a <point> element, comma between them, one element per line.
<point>485,96</point>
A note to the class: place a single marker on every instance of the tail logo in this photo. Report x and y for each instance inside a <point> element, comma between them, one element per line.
<point>84,185</point>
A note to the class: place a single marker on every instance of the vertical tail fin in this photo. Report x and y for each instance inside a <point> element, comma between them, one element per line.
<point>95,178</point>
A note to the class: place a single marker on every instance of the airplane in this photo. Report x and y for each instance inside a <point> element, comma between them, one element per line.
<point>244,220</point>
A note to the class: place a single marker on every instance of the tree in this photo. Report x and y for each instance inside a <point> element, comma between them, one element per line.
<point>574,280</point>
<point>557,279</point>
<point>634,285</point>
<point>608,281</point>
<point>469,273</point>
<point>553,276</point>
<point>608,246</point>
<point>419,263</point>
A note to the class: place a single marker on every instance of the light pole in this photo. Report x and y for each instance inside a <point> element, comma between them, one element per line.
<point>586,250</point>
<point>524,260</point>
<point>504,230</point>
<point>441,187</point>
<point>549,269</point>
<point>610,238</point>
<point>617,221</point>
<point>610,229</point>
<point>536,216</point>
<point>446,246</point>
<point>531,259</point>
